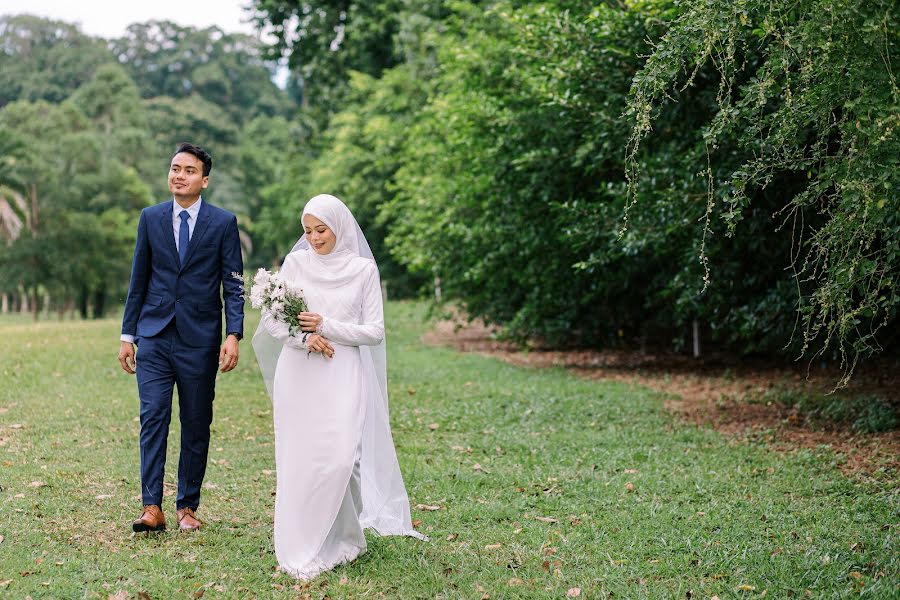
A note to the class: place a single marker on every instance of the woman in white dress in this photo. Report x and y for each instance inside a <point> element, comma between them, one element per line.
<point>336,466</point>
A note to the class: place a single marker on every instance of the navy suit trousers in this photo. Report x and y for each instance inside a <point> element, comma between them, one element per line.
<point>165,362</point>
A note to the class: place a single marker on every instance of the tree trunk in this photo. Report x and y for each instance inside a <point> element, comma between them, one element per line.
<point>437,288</point>
<point>4,303</point>
<point>83,302</point>
<point>99,302</point>
<point>696,328</point>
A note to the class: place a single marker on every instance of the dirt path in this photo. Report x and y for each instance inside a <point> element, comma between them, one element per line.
<point>742,399</point>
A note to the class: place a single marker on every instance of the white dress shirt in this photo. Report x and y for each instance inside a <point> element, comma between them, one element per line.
<point>193,210</point>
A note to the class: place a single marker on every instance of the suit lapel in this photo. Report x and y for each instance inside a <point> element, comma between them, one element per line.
<point>199,231</point>
<point>168,232</point>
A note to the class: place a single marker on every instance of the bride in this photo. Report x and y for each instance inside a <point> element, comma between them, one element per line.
<point>337,470</point>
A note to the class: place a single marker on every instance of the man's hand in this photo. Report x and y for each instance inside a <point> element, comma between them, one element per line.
<point>126,357</point>
<point>316,343</point>
<point>228,355</point>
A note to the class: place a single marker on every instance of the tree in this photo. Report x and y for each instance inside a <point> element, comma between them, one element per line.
<point>44,59</point>
<point>802,136</point>
<point>226,70</point>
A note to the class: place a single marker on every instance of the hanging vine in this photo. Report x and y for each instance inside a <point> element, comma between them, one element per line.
<point>805,89</point>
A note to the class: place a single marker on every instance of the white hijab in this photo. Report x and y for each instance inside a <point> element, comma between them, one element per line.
<point>384,498</point>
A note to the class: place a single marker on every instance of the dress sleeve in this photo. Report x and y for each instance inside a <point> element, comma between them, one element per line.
<point>371,331</point>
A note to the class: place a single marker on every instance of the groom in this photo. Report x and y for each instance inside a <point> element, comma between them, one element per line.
<point>187,261</point>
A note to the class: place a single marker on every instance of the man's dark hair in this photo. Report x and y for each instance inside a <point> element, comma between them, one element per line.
<point>197,151</point>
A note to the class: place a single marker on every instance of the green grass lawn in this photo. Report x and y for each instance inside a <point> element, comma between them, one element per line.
<point>545,483</point>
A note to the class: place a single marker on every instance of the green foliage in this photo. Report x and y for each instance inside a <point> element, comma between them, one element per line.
<point>514,172</point>
<point>228,70</point>
<point>325,41</point>
<point>100,129</point>
<point>359,155</point>
<point>860,413</point>
<point>802,132</point>
<point>45,60</point>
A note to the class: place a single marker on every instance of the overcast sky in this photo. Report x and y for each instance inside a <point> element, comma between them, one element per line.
<point>110,19</point>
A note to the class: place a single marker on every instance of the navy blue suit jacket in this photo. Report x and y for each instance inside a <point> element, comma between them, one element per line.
<point>162,288</point>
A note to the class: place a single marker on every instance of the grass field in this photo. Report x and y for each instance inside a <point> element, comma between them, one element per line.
<point>547,487</point>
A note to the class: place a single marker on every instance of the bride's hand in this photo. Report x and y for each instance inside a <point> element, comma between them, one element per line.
<point>310,321</point>
<point>316,343</point>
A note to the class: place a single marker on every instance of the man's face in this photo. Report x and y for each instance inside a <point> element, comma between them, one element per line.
<point>186,176</point>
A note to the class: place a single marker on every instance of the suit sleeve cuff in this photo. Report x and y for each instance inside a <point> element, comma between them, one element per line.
<point>128,339</point>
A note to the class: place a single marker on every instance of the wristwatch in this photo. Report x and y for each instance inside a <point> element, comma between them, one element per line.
<point>235,334</point>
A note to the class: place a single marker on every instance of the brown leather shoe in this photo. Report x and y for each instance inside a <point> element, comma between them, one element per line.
<point>151,519</point>
<point>187,521</point>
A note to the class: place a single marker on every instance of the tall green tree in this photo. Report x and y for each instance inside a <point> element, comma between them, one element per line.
<point>43,59</point>
<point>802,148</point>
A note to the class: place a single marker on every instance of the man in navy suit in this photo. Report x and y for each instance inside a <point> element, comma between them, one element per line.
<point>187,263</point>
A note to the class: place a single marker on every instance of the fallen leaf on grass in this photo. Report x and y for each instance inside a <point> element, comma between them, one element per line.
<point>547,519</point>
<point>574,520</point>
<point>629,486</point>
<point>493,546</point>
<point>433,426</point>
<point>573,592</point>
<point>631,471</point>
<point>745,587</point>
<point>120,595</point>
<point>103,496</point>
<point>16,426</point>
<point>343,580</point>
<point>199,593</point>
<point>515,581</point>
<point>416,522</point>
<point>450,537</point>
<point>1,539</point>
<point>37,484</point>
<point>776,552</point>
<point>427,507</point>
<point>5,583</point>
<point>478,468</point>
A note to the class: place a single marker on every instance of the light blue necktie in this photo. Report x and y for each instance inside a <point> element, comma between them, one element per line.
<point>184,236</point>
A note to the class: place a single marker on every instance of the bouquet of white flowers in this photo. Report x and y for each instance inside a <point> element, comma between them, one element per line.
<point>283,298</point>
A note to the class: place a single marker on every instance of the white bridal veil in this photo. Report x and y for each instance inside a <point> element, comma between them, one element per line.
<point>385,503</point>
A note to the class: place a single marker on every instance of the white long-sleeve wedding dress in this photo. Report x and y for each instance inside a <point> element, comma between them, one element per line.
<point>337,470</point>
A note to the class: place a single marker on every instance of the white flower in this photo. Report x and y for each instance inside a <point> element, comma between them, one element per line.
<point>262,277</point>
<point>278,290</point>
<point>257,296</point>
<point>277,307</point>
<point>294,290</point>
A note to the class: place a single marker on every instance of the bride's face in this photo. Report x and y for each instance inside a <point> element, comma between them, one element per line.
<point>319,235</point>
